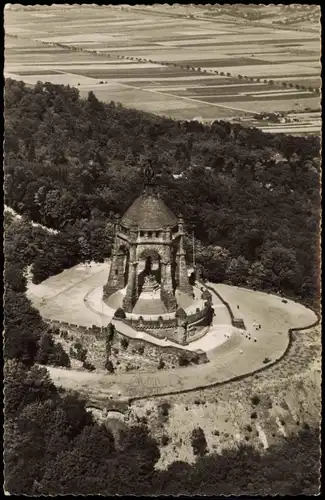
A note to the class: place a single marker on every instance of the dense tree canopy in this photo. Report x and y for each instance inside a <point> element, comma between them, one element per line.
<point>53,447</point>
<point>71,165</point>
<point>26,336</point>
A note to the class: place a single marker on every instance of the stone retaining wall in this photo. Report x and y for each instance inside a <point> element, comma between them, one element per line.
<point>96,336</point>
<point>97,331</point>
<point>235,320</point>
<point>157,351</point>
<point>166,328</point>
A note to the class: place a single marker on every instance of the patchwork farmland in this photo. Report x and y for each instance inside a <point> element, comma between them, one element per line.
<point>183,62</point>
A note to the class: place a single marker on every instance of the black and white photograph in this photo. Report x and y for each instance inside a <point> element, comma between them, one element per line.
<point>162,249</point>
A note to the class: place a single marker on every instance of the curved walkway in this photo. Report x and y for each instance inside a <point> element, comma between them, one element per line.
<point>75,296</point>
<point>236,357</point>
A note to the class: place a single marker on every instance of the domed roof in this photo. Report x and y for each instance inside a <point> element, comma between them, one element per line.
<point>148,211</point>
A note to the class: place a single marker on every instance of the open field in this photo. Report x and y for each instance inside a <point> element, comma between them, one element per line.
<point>178,50</point>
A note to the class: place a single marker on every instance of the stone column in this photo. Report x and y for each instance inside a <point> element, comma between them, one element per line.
<point>116,276</point>
<point>116,279</point>
<point>166,291</point>
<point>132,288</point>
<point>181,269</point>
<point>181,335</point>
<point>177,269</point>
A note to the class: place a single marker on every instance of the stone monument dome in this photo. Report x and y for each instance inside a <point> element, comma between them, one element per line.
<point>148,211</point>
<point>148,232</point>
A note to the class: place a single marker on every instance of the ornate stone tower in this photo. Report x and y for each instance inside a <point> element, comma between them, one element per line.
<point>148,231</point>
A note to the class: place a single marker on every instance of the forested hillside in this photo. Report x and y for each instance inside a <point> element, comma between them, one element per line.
<point>71,164</point>
<point>53,447</point>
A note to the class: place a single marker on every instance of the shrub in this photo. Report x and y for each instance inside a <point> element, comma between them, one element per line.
<point>109,366</point>
<point>198,442</point>
<point>124,343</point>
<point>254,415</point>
<point>164,408</point>
<point>88,366</point>
<point>164,440</point>
<point>195,359</point>
<point>161,364</point>
<point>249,428</point>
<point>266,360</point>
<point>255,400</point>
<point>110,333</point>
<point>120,313</point>
<point>78,352</point>
<point>51,353</point>
<point>141,349</point>
<point>59,357</point>
<point>183,360</point>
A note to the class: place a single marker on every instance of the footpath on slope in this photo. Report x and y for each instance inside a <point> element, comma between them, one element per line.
<point>34,224</point>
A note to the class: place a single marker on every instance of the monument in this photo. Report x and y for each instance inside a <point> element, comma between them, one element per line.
<point>148,276</point>
<point>150,231</point>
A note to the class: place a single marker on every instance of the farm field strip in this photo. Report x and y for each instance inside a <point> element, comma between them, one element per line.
<point>282,105</point>
<point>251,98</point>
<point>247,96</point>
<point>300,93</point>
<point>283,55</point>
<point>207,86</point>
<point>291,130</point>
<point>58,79</point>
<point>201,101</point>
<point>207,91</point>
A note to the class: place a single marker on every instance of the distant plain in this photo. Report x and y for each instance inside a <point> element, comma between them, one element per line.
<point>148,59</point>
